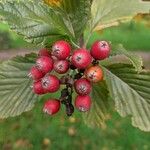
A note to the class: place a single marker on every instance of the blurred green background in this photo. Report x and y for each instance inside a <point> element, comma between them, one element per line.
<point>37,131</point>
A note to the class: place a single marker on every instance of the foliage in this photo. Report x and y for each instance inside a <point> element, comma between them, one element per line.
<point>134,100</point>
<point>99,111</point>
<point>128,85</point>
<point>106,14</point>
<point>5,40</point>
<point>15,91</point>
<point>135,59</point>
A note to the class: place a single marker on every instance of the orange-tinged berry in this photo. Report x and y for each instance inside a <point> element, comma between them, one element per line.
<point>94,74</point>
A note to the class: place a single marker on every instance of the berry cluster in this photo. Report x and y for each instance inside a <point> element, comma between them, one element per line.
<point>84,71</point>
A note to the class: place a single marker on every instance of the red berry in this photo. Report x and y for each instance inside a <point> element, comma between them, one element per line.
<point>51,83</point>
<point>100,50</point>
<point>83,103</point>
<point>35,73</point>
<point>44,52</point>
<point>61,66</point>
<point>45,64</point>
<point>83,86</point>
<point>94,74</point>
<point>51,106</point>
<point>37,88</point>
<point>61,50</point>
<point>81,58</point>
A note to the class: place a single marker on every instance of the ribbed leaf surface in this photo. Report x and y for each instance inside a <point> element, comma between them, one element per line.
<point>34,20</point>
<point>100,106</point>
<point>106,13</point>
<point>131,93</point>
<point>78,14</point>
<point>16,95</point>
<point>133,58</point>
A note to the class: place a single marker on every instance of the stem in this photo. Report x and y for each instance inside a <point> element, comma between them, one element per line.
<point>74,44</point>
<point>81,41</point>
<point>88,38</point>
<point>90,33</point>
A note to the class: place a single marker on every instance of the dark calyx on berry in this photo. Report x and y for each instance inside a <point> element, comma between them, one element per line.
<point>81,58</point>
<point>100,50</point>
<point>61,50</point>
<point>83,86</point>
<point>61,66</point>
<point>94,74</point>
<point>51,83</point>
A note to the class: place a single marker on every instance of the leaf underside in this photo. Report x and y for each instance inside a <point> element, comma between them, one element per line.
<point>33,20</point>
<point>133,58</point>
<point>108,13</point>
<point>131,93</point>
<point>16,95</point>
<point>38,22</point>
<point>77,12</point>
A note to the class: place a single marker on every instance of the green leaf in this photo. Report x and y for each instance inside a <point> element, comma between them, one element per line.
<point>130,92</point>
<point>16,95</point>
<point>135,59</point>
<point>38,22</point>
<point>98,114</point>
<point>77,12</point>
<point>107,13</point>
<point>34,20</point>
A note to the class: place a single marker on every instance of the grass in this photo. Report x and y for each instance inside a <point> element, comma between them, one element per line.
<point>34,130</point>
